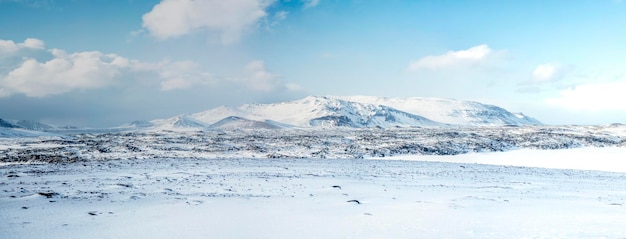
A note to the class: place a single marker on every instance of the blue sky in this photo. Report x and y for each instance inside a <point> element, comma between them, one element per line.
<point>104,63</point>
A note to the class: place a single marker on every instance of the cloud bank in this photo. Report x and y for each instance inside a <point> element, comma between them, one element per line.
<point>607,96</point>
<point>65,72</point>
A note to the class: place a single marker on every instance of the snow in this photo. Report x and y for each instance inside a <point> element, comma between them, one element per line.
<point>178,122</point>
<point>237,123</point>
<point>449,111</point>
<point>312,198</point>
<point>318,111</point>
<point>239,181</point>
<point>369,111</point>
<point>610,159</point>
<point>18,133</point>
<point>24,124</point>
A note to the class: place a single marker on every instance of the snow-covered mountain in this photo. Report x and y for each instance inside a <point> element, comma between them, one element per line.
<point>345,111</point>
<point>23,128</point>
<point>449,111</point>
<point>319,111</point>
<point>19,133</point>
<point>25,124</point>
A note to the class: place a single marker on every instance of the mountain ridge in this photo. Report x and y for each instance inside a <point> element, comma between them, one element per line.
<point>449,111</point>
<point>365,112</point>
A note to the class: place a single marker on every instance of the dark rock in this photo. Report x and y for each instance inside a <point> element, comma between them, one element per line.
<point>48,194</point>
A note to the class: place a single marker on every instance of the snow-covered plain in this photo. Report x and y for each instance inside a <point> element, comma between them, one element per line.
<point>610,159</point>
<point>311,198</point>
<point>451,182</point>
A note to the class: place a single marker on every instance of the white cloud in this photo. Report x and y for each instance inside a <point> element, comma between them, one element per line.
<point>461,74</point>
<point>281,15</point>
<point>32,43</point>
<point>552,76</point>
<point>257,78</point>
<point>254,78</point>
<point>310,3</point>
<point>593,97</point>
<point>278,17</point>
<point>453,58</point>
<point>66,72</point>
<point>4,93</point>
<point>228,19</point>
<point>63,73</point>
<point>548,72</point>
<point>183,75</point>
<point>175,83</point>
<point>8,47</point>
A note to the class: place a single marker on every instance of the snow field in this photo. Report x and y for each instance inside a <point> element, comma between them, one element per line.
<point>311,198</point>
<point>611,159</point>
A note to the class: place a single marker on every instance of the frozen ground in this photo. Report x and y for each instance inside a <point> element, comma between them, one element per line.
<point>329,143</point>
<point>319,198</point>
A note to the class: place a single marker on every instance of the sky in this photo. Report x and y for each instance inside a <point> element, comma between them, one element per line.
<point>105,63</point>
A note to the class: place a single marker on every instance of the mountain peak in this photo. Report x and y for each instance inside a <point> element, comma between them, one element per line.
<point>178,122</point>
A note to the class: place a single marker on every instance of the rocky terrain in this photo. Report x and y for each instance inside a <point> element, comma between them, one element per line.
<point>311,143</point>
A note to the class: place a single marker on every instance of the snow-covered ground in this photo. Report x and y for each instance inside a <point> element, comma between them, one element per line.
<point>320,198</point>
<point>449,182</point>
<point>610,159</point>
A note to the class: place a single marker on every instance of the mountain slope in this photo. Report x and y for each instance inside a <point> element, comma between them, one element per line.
<point>23,128</point>
<point>7,124</point>
<point>449,111</point>
<point>25,124</point>
<point>19,133</point>
<point>180,122</point>
<point>33,125</point>
<point>239,123</point>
